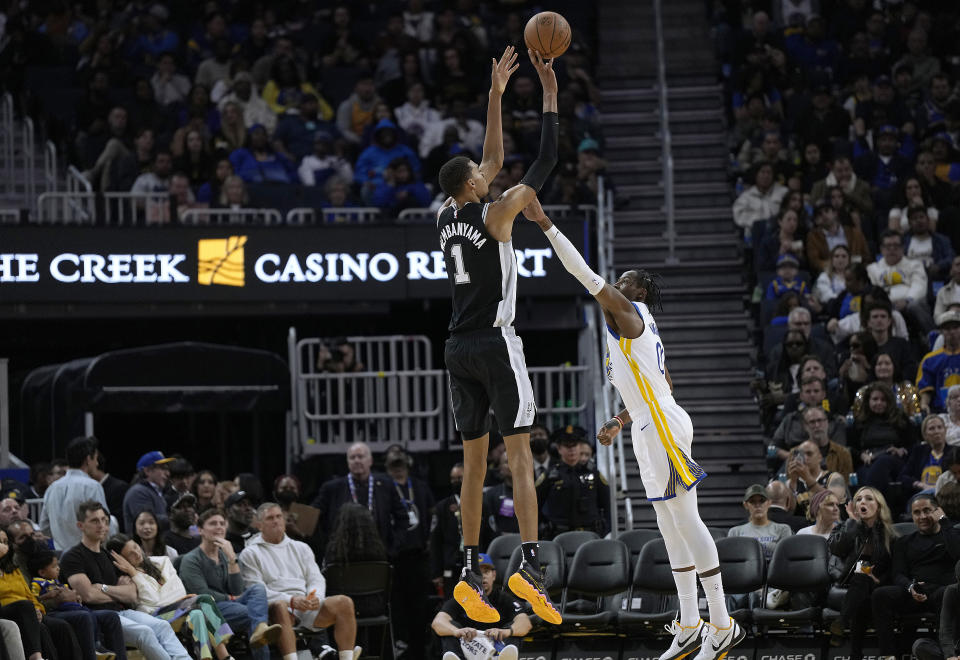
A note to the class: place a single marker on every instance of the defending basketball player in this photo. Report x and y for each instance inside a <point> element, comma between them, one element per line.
<point>484,355</point>
<point>662,437</point>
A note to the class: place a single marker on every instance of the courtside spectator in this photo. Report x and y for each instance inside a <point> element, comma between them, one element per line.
<point>63,496</point>
<point>936,369</point>
<point>147,494</point>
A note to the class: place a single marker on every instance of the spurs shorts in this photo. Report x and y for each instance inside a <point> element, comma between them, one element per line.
<point>488,370</point>
<point>661,442</point>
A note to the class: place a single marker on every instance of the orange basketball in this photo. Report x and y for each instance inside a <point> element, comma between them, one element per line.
<point>548,33</point>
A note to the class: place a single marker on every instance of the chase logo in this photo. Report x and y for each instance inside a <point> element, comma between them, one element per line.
<point>220,260</point>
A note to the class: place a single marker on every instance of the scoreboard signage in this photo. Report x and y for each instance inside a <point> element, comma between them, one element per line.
<point>253,264</point>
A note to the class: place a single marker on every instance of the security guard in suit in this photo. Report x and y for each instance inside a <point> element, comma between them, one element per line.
<point>573,495</point>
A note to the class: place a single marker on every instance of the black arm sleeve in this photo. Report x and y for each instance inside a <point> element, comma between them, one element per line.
<point>541,168</point>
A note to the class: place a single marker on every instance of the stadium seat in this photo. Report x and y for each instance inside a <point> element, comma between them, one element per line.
<point>367,582</point>
<point>799,565</point>
<point>552,563</point>
<point>635,539</point>
<point>500,551</point>
<point>652,577</point>
<point>571,541</point>
<point>904,528</point>
<point>600,569</point>
<point>742,569</point>
<point>717,533</point>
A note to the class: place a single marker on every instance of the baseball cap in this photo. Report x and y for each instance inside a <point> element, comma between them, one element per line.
<point>888,129</point>
<point>948,317</point>
<point>152,458</point>
<point>756,489</point>
<point>882,80</point>
<point>484,560</point>
<point>588,144</point>
<point>569,435</point>
<point>236,497</point>
<point>187,499</point>
<point>15,494</point>
<point>787,259</point>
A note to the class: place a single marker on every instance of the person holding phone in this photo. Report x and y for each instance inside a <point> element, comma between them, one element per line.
<point>923,566</point>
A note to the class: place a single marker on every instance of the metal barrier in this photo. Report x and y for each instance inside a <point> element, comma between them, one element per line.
<point>398,397</point>
<point>29,163</point>
<point>418,214</point>
<point>333,214</point>
<point>231,217</point>
<point>50,169</point>
<point>35,507</point>
<point>67,208</point>
<point>77,182</point>
<point>9,216</point>
<point>667,151</point>
<point>7,148</point>
<point>133,208</point>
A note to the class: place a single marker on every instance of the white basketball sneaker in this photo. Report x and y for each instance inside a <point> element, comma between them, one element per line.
<point>717,642</point>
<point>686,640</point>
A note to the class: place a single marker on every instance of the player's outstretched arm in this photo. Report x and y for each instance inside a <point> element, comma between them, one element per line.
<point>501,213</point>
<point>613,302</point>
<point>492,159</point>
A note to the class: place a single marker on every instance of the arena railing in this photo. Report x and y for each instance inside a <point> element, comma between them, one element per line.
<point>66,208</point>
<point>663,108</point>
<point>50,167</point>
<point>333,214</point>
<point>7,146</point>
<point>399,397</point>
<point>231,217</point>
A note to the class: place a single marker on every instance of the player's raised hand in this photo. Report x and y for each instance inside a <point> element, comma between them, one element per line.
<point>545,70</point>
<point>503,69</point>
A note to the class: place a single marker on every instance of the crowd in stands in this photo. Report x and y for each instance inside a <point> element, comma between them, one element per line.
<point>107,564</point>
<point>845,128</point>
<point>320,105</point>
<point>848,196</point>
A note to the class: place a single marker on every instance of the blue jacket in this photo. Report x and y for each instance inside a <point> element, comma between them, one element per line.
<point>942,251</point>
<point>374,159</point>
<point>277,170</point>
<point>385,196</point>
<point>144,496</point>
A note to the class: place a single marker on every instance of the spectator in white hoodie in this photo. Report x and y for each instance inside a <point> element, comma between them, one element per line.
<point>289,573</point>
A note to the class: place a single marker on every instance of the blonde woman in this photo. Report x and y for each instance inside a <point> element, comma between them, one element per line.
<point>831,281</point>
<point>952,417</point>
<point>863,543</point>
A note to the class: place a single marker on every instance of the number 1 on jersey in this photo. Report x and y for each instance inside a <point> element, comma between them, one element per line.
<point>460,275</point>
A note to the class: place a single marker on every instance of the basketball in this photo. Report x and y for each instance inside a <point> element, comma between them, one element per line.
<point>548,33</point>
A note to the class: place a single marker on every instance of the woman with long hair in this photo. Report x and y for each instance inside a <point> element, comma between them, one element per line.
<point>812,167</point>
<point>146,532</point>
<point>824,512</point>
<point>833,279</point>
<point>205,490</point>
<point>354,538</point>
<point>196,161</point>
<point>925,464</point>
<point>952,417</point>
<point>904,392</point>
<point>233,132</point>
<point>863,542</point>
<point>880,438</point>
<point>911,193</point>
<point>161,593</point>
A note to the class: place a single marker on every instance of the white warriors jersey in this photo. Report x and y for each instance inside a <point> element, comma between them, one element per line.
<point>662,431</point>
<point>637,368</point>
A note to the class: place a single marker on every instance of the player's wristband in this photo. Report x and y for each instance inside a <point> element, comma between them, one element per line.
<point>619,421</point>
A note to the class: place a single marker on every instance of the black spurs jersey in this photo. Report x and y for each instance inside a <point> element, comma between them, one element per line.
<point>481,270</point>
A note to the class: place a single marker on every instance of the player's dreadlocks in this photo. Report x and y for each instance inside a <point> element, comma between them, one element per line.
<point>650,282</point>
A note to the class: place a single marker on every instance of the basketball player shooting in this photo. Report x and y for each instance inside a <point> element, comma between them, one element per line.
<point>662,436</point>
<point>484,355</point>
